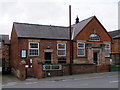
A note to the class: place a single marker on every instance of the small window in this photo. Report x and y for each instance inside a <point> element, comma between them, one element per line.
<point>81,49</point>
<point>61,47</point>
<point>0,45</point>
<point>33,49</point>
<point>94,37</point>
<point>107,50</point>
<point>23,54</point>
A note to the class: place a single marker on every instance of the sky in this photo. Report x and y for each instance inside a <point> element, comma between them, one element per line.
<point>56,12</point>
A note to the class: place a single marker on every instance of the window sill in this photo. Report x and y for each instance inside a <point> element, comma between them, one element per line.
<point>81,56</point>
<point>34,56</point>
<point>61,56</point>
<point>93,41</point>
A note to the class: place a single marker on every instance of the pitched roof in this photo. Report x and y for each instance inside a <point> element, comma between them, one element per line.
<point>5,38</point>
<point>26,30</point>
<point>41,31</point>
<point>79,26</point>
<point>115,33</point>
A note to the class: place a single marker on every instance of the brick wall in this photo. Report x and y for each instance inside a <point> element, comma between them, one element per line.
<point>14,60</point>
<point>84,35</point>
<point>103,68</point>
<point>83,68</point>
<point>116,46</point>
<point>76,69</point>
<point>5,57</point>
<point>23,44</point>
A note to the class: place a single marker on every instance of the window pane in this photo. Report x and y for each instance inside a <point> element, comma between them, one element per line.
<point>94,37</point>
<point>33,52</point>
<point>107,50</point>
<point>107,46</point>
<point>80,45</point>
<point>33,45</point>
<point>61,46</point>
<point>80,51</point>
<point>61,52</point>
<point>23,53</point>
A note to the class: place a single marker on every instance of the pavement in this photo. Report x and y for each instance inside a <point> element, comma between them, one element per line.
<point>105,80</point>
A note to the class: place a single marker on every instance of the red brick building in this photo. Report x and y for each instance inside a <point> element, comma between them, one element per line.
<point>33,46</point>
<point>115,55</point>
<point>92,43</point>
<point>5,53</point>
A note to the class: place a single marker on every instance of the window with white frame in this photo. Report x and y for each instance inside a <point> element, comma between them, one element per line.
<point>33,48</point>
<point>94,37</point>
<point>107,50</point>
<point>61,47</point>
<point>81,48</point>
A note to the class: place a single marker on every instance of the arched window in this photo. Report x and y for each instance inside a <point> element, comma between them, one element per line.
<point>94,37</point>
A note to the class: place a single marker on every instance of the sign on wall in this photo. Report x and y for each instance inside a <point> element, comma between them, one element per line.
<point>30,60</point>
<point>52,67</point>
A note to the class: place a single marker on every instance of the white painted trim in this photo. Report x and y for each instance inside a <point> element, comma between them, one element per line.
<point>33,48</point>
<point>61,49</point>
<point>108,43</point>
<point>83,41</point>
<point>80,48</point>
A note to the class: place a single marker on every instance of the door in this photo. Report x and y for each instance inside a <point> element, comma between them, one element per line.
<point>95,57</point>
<point>48,57</point>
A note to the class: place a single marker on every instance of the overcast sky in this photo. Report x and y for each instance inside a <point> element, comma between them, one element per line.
<point>56,12</point>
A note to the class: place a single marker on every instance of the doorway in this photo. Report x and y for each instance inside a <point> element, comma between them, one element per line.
<point>48,57</point>
<point>95,57</point>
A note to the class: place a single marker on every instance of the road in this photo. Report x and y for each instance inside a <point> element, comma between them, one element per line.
<point>94,80</point>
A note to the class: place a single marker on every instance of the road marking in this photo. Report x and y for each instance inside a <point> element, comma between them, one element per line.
<point>113,81</point>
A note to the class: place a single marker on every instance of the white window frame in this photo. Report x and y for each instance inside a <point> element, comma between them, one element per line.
<point>61,49</point>
<point>33,49</point>
<point>108,49</point>
<point>80,48</point>
<point>94,37</point>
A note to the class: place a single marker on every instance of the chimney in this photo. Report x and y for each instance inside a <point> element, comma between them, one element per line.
<point>77,20</point>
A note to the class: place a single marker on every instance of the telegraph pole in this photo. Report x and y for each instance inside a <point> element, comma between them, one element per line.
<point>70,33</point>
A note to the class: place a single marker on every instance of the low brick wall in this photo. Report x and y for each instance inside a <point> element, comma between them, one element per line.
<point>76,69</point>
<point>65,69</point>
<point>83,68</point>
<point>29,72</point>
<point>52,73</point>
<point>103,68</point>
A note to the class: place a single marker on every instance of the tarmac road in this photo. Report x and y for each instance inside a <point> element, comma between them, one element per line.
<point>94,80</point>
